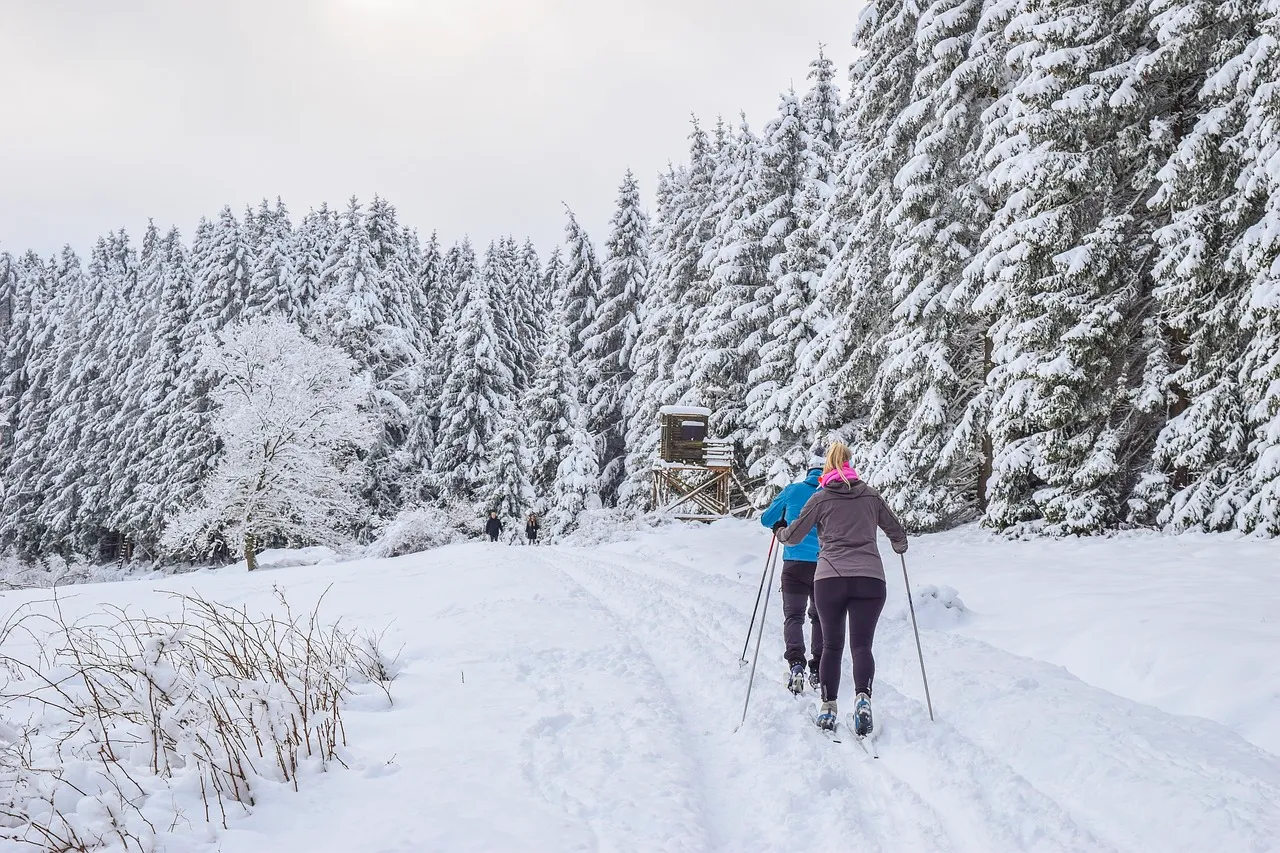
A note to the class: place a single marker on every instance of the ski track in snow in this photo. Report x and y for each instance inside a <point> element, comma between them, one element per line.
<point>587,700</point>
<point>1038,761</point>
<point>939,793</point>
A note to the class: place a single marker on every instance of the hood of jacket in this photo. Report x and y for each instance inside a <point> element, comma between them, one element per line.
<point>846,474</point>
<point>840,488</point>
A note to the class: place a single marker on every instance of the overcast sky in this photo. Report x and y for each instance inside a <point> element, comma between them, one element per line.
<point>471,116</point>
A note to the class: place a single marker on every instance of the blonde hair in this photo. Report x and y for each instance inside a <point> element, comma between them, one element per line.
<point>837,458</point>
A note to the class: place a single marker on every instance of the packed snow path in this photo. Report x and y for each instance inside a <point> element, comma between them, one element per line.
<point>573,699</point>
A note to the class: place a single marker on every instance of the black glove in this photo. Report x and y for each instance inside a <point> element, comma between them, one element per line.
<point>900,549</point>
<point>780,524</point>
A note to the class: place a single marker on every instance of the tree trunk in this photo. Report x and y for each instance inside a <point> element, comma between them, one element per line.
<point>250,552</point>
<point>984,469</point>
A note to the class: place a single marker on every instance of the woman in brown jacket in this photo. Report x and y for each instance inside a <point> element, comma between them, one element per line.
<point>849,582</point>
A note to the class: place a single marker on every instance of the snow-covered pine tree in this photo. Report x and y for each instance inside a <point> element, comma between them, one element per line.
<point>364,311</point>
<point>273,284</point>
<point>21,287</point>
<point>457,266</point>
<point>923,453</point>
<point>577,477</point>
<point>728,335</point>
<point>171,469</point>
<point>1065,262</point>
<point>820,110</point>
<point>8,293</point>
<point>312,247</point>
<point>553,283</point>
<point>508,461</point>
<point>610,338</point>
<point>397,264</point>
<point>62,449</point>
<point>476,394</point>
<point>432,302</point>
<point>1257,253</point>
<point>131,428</point>
<point>678,264</point>
<point>1200,456</point>
<point>834,370</point>
<point>103,362</point>
<point>581,282</point>
<point>537,301</point>
<point>30,358</point>
<point>527,311</point>
<point>653,359</point>
<point>290,417</point>
<point>222,262</point>
<point>499,271</point>
<point>786,189</point>
<point>549,408</point>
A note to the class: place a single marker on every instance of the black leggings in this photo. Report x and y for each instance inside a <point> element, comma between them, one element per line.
<point>860,600</point>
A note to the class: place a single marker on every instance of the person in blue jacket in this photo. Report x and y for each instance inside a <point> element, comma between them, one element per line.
<point>799,562</point>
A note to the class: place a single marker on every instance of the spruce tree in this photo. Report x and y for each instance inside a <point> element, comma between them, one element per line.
<point>62,448</point>
<point>1064,262</point>
<point>548,407</point>
<point>31,358</point>
<point>920,449</point>
<point>610,338</point>
<point>577,477</point>
<point>1257,253</point>
<point>678,266</point>
<point>728,336</point>
<point>581,282</point>
<point>476,395</point>
<point>507,459</point>
<point>131,426</point>
<point>176,429</point>
<point>273,284</point>
<point>653,359</point>
<point>834,369</point>
<point>312,248</point>
<point>787,205</point>
<point>1200,457</point>
<point>364,310</point>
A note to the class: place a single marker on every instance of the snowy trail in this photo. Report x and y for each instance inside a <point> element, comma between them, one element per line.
<point>574,699</point>
<point>940,794</point>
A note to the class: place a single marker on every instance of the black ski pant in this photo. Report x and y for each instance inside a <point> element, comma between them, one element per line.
<point>493,537</point>
<point>797,596</point>
<point>859,600</point>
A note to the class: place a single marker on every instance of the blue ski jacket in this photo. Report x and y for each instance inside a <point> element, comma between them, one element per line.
<point>787,505</point>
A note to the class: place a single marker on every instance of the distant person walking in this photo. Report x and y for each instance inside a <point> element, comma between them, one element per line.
<point>493,526</point>
<point>799,562</point>
<point>849,583</point>
<point>531,528</point>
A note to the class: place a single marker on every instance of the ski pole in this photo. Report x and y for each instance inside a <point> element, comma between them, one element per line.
<point>759,635</point>
<point>916,629</point>
<point>743,659</point>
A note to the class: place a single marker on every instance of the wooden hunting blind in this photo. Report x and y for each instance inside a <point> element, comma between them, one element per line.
<point>694,477</point>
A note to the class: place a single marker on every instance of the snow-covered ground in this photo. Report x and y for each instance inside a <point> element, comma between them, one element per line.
<point>1118,694</point>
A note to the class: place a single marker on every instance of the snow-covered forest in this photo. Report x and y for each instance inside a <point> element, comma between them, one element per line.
<point>1026,262</point>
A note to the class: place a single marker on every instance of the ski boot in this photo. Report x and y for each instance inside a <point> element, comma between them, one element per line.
<point>795,681</point>
<point>826,718</point>
<point>862,715</point>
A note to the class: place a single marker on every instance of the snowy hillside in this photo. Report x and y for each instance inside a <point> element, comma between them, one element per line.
<point>1115,694</point>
